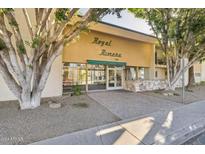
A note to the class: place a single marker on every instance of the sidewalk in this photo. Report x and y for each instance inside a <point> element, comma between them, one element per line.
<point>163,127</point>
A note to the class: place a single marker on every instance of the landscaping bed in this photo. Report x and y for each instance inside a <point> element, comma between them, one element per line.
<point>27,126</point>
<point>195,93</point>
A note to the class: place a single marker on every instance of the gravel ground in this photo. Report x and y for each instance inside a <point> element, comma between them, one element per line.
<point>24,127</point>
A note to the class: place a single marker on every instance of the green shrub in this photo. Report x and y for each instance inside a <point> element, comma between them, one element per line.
<point>202,83</point>
<point>76,90</point>
<point>61,15</point>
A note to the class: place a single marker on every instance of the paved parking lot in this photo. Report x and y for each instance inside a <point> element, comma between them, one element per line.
<point>126,104</point>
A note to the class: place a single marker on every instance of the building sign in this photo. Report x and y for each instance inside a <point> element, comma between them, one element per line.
<point>104,52</point>
<point>111,54</point>
<point>101,42</point>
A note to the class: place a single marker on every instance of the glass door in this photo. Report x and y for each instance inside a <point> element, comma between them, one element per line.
<point>119,78</point>
<point>114,78</point>
<point>111,78</point>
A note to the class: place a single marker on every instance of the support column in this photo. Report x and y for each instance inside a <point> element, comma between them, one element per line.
<point>86,86</point>
<point>152,66</point>
<point>137,73</point>
<point>106,70</point>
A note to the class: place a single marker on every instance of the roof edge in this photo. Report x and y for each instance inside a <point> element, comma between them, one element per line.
<point>127,29</point>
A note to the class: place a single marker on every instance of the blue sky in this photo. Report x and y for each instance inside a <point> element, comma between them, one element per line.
<point>128,21</point>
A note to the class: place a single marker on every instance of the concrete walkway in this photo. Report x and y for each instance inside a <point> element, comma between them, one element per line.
<point>173,126</point>
<point>127,105</point>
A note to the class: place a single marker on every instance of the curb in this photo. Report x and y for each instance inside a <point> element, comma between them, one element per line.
<point>182,135</point>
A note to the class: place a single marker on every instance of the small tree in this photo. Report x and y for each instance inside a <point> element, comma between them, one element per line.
<point>180,33</point>
<point>25,70</point>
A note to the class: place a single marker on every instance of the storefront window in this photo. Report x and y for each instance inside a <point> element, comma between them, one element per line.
<point>141,73</point>
<point>96,77</point>
<point>74,74</point>
<point>131,73</point>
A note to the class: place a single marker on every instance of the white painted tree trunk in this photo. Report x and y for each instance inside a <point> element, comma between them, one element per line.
<point>26,70</point>
<point>173,83</point>
<point>29,101</point>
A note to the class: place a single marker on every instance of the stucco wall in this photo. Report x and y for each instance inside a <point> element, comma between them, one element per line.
<point>5,93</point>
<point>134,53</point>
<point>199,72</point>
<point>203,71</point>
<point>54,85</point>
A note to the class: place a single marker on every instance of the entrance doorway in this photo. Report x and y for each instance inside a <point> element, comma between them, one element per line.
<point>114,78</point>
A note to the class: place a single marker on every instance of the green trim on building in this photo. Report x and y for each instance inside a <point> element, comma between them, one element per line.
<point>98,62</point>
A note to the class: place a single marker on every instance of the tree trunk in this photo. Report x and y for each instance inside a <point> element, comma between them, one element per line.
<point>26,72</point>
<point>169,87</point>
<point>177,76</point>
<point>30,101</point>
<point>191,77</point>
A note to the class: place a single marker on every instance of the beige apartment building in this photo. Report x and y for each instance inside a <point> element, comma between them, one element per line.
<point>108,57</point>
<point>103,59</point>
